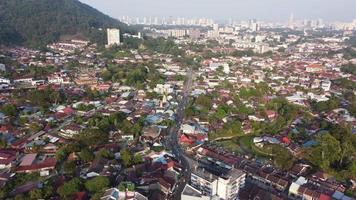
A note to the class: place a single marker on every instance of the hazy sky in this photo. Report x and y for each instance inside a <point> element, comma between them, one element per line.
<point>269,10</point>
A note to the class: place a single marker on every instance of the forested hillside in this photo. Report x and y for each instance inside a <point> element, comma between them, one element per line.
<point>38,22</point>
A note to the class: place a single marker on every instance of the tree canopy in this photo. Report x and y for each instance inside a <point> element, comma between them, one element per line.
<point>97,184</point>
<point>9,110</point>
<point>335,151</point>
<point>70,187</point>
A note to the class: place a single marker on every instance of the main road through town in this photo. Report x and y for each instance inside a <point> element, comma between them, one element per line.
<point>172,139</point>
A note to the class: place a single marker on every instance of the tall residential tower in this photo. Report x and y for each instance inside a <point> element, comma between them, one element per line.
<point>113,36</point>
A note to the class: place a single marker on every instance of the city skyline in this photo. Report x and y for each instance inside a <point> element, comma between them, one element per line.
<point>271,10</point>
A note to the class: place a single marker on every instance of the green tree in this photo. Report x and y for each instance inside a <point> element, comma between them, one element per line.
<point>106,75</point>
<point>221,112</point>
<point>36,194</point>
<point>325,153</point>
<point>92,136</point>
<point>69,167</point>
<point>349,68</point>
<point>238,53</point>
<point>137,159</point>
<point>342,132</point>
<point>61,154</point>
<point>204,101</point>
<point>86,155</point>
<point>97,184</point>
<point>352,108</point>
<point>122,187</point>
<point>326,106</point>
<point>282,158</point>
<point>19,197</point>
<point>4,191</point>
<point>3,143</point>
<point>35,127</point>
<point>126,157</point>
<point>57,19</point>
<point>9,110</point>
<point>70,187</point>
<point>104,153</point>
<point>126,185</point>
<point>47,191</point>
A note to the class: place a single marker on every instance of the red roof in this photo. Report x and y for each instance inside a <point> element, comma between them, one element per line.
<point>170,164</point>
<point>47,128</point>
<point>324,197</point>
<point>55,87</point>
<point>285,140</point>
<point>72,127</point>
<point>110,100</point>
<point>199,137</point>
<point>5,128</point>
<point>67,111</point>
<point>25,187</point>
<point>226,158</point>
<point>185,139</point>
<point>8,160</point>
<point>79,196</point>
<point>271,113</point>
<point>48,163</point>
<point>42,87</point>
<point>5,154</point>
<point>60,115</point>
<point>190,139</point>
<point>315,66</point>
<point>164,183</point>
<point>18,144</point>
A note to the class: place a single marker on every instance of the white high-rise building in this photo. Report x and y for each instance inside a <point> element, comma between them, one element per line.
<point>225,187</point>
<point>215,32</point>
<point>291,21</point>
<point>113,36</point>
<point>253,25</point>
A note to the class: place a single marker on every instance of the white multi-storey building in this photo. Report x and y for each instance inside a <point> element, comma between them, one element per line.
<point>325,85</point>
<point>225,186</point>
<point>113,36</point>
<point>164,89</point>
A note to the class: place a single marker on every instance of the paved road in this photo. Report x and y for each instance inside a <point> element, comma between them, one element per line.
<point>172,139</point>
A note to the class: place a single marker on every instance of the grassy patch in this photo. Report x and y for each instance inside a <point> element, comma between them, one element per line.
<point>231,145</point>
<point>217,136</point>
<point>246,143</point>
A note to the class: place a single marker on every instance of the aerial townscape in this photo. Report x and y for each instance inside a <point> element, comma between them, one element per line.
<point>174,108</point>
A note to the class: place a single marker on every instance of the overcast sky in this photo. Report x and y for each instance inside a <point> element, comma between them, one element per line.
<point>268,10</point>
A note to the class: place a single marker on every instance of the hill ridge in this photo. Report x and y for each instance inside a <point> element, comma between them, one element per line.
<point>39,22</point>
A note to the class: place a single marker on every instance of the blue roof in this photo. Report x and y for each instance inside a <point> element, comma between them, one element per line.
<point>323,132</point>
<point>149,103</point>
<point>8,137</point>
<point>353,131</point>
<point>295,131</point>
<point>153,119</point>
<point>310,143</point>
<point>160,159</point>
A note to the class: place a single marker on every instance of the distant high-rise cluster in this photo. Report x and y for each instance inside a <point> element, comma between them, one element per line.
<point>178,21</point>
<point>252,25</point>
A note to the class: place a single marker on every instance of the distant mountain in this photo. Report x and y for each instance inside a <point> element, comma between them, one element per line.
<point>39,22</point>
